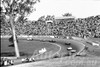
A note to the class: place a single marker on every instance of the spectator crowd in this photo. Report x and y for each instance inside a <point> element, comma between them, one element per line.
<point>81,27</point>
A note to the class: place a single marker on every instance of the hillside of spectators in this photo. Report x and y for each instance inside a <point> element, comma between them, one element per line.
<point>81,27</point>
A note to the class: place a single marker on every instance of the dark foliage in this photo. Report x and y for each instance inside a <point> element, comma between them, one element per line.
<point>81,27</point>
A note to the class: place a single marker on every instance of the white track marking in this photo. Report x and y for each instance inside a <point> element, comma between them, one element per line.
<point>81,44</point>
<point>58,46</point>
<point>54,53</point>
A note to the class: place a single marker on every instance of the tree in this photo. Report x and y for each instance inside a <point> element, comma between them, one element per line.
<point>42,19</point>
<point>50,17</point>
<point>13,10</point>
<point>67,14</point>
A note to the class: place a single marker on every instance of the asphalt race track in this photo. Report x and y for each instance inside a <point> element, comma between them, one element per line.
<point>61,46</point>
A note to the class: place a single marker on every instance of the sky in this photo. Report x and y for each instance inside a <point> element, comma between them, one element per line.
<point>78,8</point>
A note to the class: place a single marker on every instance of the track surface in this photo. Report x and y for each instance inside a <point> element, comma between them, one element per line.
<point>75,44</point>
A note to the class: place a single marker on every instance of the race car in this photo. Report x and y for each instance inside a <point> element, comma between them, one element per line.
<point>25,60</point>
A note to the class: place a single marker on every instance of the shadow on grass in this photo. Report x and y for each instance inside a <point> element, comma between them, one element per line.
<point>10,54</point>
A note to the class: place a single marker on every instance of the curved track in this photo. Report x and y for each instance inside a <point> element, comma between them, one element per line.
<point>49,51</point>
<point>75,44</point>
<point>59,48</point>
<point>78,46</point>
